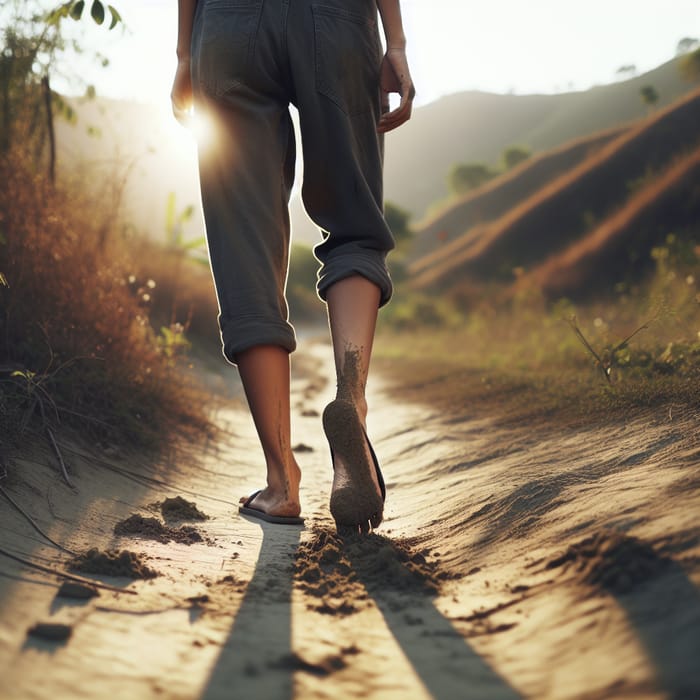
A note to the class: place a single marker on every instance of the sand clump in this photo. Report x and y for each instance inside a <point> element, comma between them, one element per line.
<point>76,591</point>
<point>178,509</point>
<point>338,571</point>
<point>612,561</point>
<point>113,563</point>
<point>153,529</point>
<point>50,631</point>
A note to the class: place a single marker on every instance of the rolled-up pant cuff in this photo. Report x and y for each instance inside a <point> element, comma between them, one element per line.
<point>239,334</point>
<point>370,265</point>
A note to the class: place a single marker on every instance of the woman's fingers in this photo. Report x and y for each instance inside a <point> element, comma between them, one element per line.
<point>181,95</point>
<point>395,78</point>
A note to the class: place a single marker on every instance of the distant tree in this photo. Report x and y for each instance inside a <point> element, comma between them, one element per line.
<point>689,65</point>
<point>398,221</point>
<point>650,96</point>
<point>31,41</point>
<point>686,45</point>
<point>514,155</point>
<point>626,72</point>
<point>468,176</point>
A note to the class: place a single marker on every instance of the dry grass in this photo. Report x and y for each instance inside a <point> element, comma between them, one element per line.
<point>73,331</point>
<point>522,359</point>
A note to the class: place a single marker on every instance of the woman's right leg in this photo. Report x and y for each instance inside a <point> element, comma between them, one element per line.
<point>356,497</point>
<point>264,371</point>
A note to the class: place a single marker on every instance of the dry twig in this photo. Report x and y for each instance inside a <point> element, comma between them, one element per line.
<point>33,523</point>
<point>61,574</point>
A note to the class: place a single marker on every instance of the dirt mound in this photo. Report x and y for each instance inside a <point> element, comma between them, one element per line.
<point>177,508</point>
<point>112,563</point>
<point>612,561</point>
<point>153,529</point>
<point>339,570</point>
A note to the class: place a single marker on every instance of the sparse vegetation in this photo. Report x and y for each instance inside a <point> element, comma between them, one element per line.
<point>638,349</point>
<point>468,176</point>
<point>514,155</point>
<point>650,96</point>
<point>690,65</point>
<point>77,349</point>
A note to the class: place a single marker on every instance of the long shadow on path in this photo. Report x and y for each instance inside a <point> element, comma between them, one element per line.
<point>255,660</point>
<point>403,585</point>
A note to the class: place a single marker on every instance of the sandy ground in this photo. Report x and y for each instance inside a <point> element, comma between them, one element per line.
<point>514,561</point>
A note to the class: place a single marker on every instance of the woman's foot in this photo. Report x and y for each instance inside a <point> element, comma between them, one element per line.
<point>357,495</point>
<point>279,500</point>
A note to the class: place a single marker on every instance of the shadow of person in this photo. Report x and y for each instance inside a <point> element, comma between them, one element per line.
<point>403,585</point>
<point>666,618</point>
<point>661,604</point>
<point>256,660</point>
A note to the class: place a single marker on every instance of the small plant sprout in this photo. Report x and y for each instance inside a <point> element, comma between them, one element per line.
<point>604,361</point>
<point>172,340</point>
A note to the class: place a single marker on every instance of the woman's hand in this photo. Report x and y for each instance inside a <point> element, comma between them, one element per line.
<point>181,95</point>
<point>395,77</point>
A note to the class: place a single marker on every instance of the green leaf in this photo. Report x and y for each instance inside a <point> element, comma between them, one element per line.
<point>77,10</point>
<point>170,232</point>
<point>97,11</point>
<point>196,243</point>
<point>55,16</point>
<point>116,17</point>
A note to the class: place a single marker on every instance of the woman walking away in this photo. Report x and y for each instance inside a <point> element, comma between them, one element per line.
<point>242,63</point>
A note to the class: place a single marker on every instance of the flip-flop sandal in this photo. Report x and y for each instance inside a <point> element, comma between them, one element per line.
<point>247,509</point>
<point>355,502</point>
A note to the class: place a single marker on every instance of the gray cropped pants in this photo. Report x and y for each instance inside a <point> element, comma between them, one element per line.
<point>251,59</point>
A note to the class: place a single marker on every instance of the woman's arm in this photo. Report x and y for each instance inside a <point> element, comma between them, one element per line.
<point>181,94</point>
<point>395,74</point>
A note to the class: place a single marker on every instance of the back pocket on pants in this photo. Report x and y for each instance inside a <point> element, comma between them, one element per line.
<point>226,41</point>
<point>348,56</point>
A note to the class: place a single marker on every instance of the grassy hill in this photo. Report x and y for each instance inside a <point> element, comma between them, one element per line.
<point>497,196</point>
<point>666,209</point>
<point>477,126</point>
<point>605,198</point>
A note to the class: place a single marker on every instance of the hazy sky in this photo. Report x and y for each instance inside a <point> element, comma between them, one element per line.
<point>495,45</point>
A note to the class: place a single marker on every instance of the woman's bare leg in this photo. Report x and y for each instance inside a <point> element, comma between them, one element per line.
<point>264,371</point>
<point>353,305</point>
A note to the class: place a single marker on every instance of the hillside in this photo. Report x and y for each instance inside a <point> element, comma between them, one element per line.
<point>476,126</point>
<point>497,196</point>
<point>576,204</point>
<point>610,253</point>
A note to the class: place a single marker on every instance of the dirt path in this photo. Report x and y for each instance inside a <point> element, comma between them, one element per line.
<point>522,561</point>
